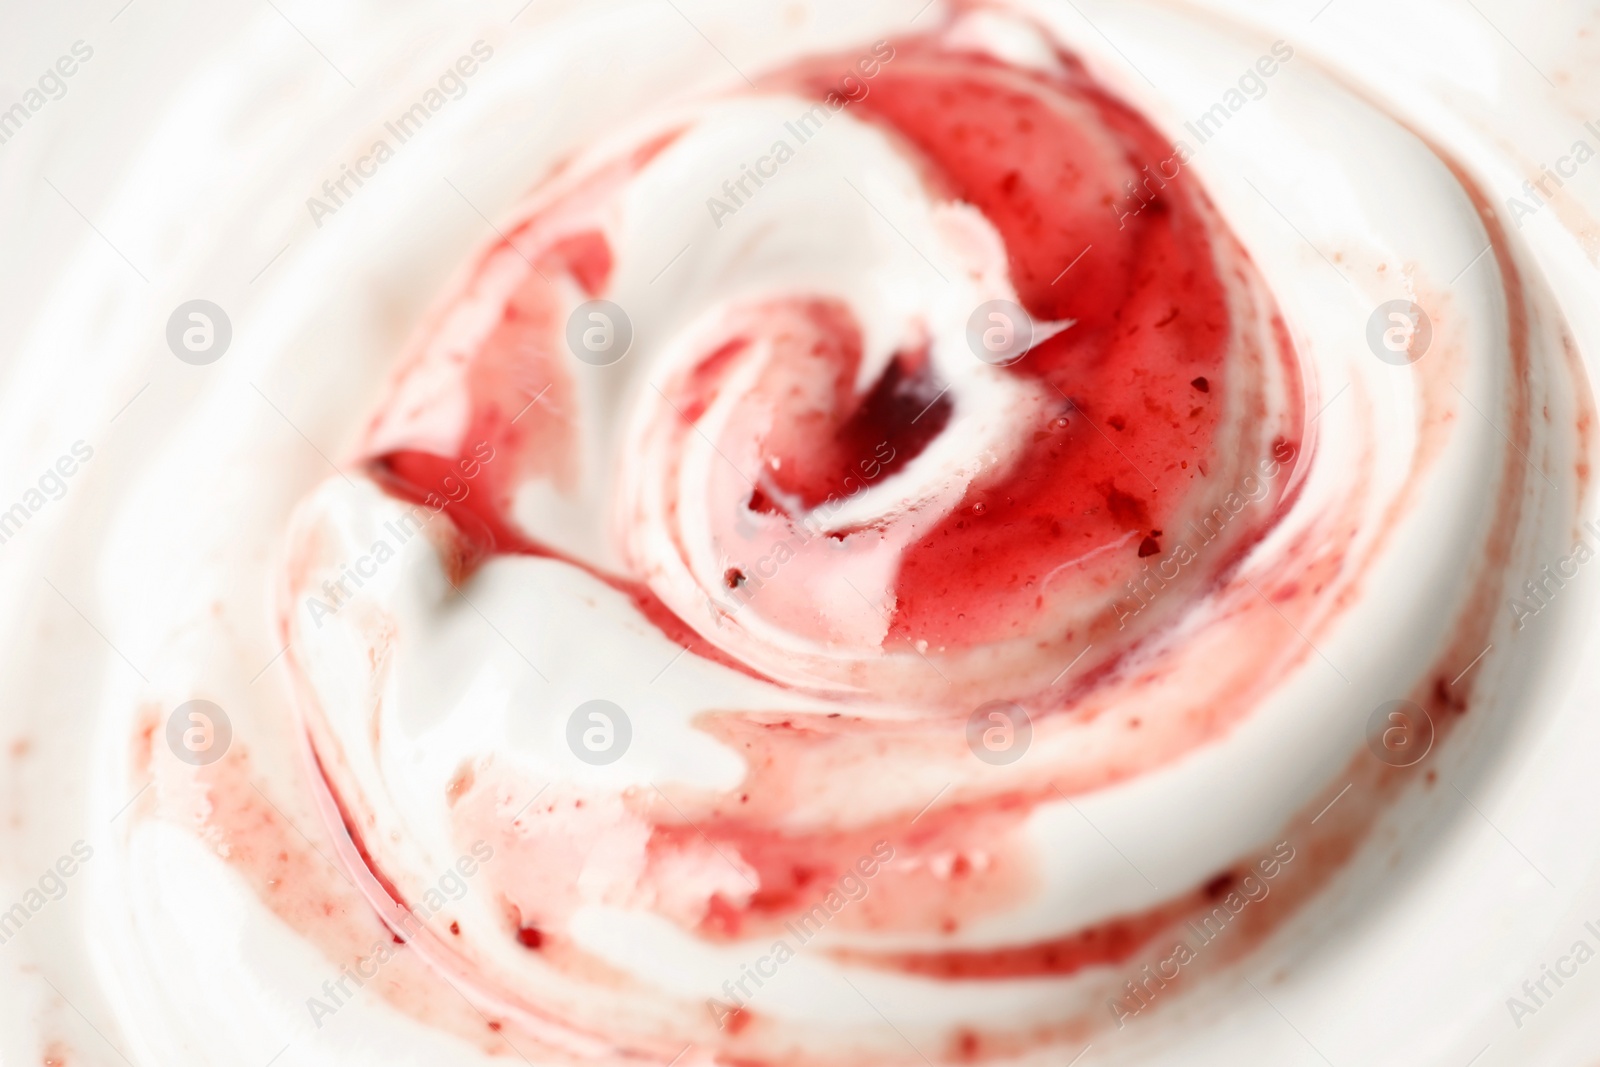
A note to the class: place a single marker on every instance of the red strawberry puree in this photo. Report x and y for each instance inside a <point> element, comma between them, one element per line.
<point>761,481</point>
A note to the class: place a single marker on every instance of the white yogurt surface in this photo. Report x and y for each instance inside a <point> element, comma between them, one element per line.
<point>177,164</point>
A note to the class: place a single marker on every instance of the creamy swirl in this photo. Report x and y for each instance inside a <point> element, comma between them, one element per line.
<point>919,546</point>
<point>798,547</point>
<point>839,524</point>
